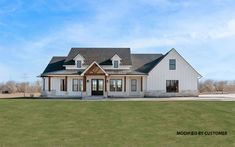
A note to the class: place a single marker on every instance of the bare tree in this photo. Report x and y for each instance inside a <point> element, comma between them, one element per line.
<point>1,87</point>
<point>21,87</point>
<point>220,86</point>
<point>11,86</point>
<point>210,86</point>
<point>206,86</point>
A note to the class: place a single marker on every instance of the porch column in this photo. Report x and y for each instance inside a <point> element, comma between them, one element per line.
<point>125,84</point>
<point>49,83</point>
<point>66,84</point>
<point>43,84</point>
<point>84,83</point>
<point>105,85</point>
<point>141,84</point>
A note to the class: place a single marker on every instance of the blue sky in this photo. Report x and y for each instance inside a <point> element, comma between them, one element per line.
<point>31,32</point>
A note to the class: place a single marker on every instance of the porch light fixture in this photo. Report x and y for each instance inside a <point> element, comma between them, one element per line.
<point>87,81</point>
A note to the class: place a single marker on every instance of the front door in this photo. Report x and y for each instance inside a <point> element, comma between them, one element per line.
<point>97,86</point>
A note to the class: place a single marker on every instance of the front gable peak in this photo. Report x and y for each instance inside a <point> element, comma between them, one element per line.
<point>94,69</point>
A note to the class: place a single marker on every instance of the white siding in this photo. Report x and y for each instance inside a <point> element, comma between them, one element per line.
<point>187,76</point>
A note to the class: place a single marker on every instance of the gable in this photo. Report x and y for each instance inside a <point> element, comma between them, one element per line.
<point>116,57</point>
<point>94,69</point>
<point>181,63</point>
<point>79,57</point>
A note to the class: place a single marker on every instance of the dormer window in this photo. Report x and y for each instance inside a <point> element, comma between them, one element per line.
<point>79,63</point>
<point>116,60</point>
<point>116,64</point>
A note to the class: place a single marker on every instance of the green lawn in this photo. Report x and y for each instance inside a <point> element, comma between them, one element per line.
<point>61,123</point>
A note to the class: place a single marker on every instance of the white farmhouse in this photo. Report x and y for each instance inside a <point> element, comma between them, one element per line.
<point>116,72</point>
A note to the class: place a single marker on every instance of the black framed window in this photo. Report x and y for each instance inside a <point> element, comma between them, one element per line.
<point>115,85</point>
<point>133,85</point>
<point>172,64</point>
<point>172,86</point>
<point>115,64</point>
<point>77,85</point>
<point>62,84</point>
<point>79,64</point>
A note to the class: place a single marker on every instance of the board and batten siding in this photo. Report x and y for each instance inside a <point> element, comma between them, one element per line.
<point>187,76</point>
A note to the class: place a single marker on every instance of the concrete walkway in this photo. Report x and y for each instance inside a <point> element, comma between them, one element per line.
<point>220,97</point>
<point>207,97</point>
<point>171,99</point>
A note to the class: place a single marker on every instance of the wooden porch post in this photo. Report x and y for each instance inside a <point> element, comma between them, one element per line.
<point>65,86</point>
<point>125,84</point>
<point>105,85</point>
<point>49,83</point>
<point>141,84</point>
<point>84,83</point>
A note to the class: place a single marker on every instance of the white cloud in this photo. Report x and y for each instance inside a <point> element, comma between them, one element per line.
<point>115,24</point>
<point>223,31</point>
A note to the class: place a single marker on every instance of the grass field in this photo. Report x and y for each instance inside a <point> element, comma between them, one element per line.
<point>59,123</point>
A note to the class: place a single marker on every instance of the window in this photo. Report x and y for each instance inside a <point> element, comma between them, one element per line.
<point>172,64</point>
<point>79,64</point>
<point>94,85</point>
<point>62,84</point>
<point>133,85</point>
<point>172,86</point>
<point>115,64</point>
<point>115,85</point>
<point>101,83</point>
<point>77,85</point>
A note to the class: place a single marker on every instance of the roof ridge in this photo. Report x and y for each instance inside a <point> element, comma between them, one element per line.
<point>100,48</point>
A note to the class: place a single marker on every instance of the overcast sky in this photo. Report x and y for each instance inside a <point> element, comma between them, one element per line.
<point>202,31</point>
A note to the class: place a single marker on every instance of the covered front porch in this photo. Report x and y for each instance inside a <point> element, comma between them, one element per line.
<point>94,82</point>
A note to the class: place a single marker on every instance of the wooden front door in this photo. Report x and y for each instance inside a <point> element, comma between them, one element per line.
<point>97,87</point>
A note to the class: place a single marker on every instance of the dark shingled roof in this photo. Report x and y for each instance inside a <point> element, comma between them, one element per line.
<point>145,62</point>
<point>141,63</point>
<point>100,55</point>
<point>55,64</point>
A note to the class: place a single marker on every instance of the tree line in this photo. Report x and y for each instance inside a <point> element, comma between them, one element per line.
<point>215,86</point>
<point>205,86</point>
<point>20,87</point>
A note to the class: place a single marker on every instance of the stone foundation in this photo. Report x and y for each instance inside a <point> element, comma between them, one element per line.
<point>182,93</point>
